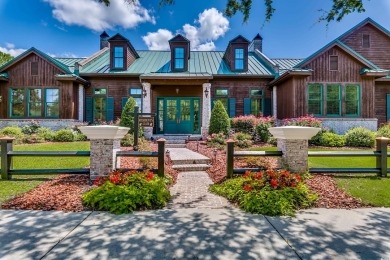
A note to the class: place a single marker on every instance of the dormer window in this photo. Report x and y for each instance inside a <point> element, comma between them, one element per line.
<point>239,59</point>
<point>118,57</point>
<point>366,41</point>
<point>179,58</point>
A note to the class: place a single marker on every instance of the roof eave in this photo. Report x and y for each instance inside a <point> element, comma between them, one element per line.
<point>110,74</point>
<point>375,74</point>
<point>241,76</point>
<point>71,78</point>
<point>175,77</point>
<point>288,75</point>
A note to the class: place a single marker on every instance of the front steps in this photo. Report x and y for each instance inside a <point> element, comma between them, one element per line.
<point>185,160</point>
<point>177,141</point>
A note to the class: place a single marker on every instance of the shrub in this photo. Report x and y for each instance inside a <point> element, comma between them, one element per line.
<point>384,131</point>
<point>127,118</point>
<point>242,140</point>
<point>332,140</point>
<point>32,139</point>
<point>262,126</point>
<point>127,140</point>
<point>46,133</point>
<point>77,137</point>
<point>216,140</point>
<point>268,192</point>
<point>244,124</point>
<point>360,137</point>
<point>64,135</point>
<point>31,128</point>
<point>308,120</point>
<point>316,140</point>
<point>121,193</point>
<point>12,131</point>
<point>219,121</point>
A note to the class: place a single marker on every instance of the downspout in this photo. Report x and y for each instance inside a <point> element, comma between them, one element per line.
<point>274,102</point>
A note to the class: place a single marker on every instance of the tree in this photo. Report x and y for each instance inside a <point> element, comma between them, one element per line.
<point>219,120</point>
<point>4,58</point>
<point>339,9</point>
<point>127,118</point>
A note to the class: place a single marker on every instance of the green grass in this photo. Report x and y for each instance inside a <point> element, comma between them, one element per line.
<point>23,183</point>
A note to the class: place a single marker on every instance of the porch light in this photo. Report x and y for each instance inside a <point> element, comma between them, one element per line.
<point>206,92</point>
<point>144,93</point>
<point>177,90</point>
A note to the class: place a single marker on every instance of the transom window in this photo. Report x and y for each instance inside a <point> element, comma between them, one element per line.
<point>118,57</point>
<point>179,58</point>
<point>100,91</point>
<point>34,102</point>
<point>239,59</point>
<point>333,62</point>
<point>222,94</point>
<point>366,41</point>
<point>52,102</point>
<point>136,93</point>
<point>256,102</point>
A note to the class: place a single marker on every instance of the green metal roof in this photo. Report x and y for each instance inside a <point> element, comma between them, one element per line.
<point>4,75</point>
<point>210,62</point>
<point>285,64</point>
<point>69,62</point>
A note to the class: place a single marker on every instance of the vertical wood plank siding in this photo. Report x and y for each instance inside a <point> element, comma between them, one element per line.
<point>381,90</point>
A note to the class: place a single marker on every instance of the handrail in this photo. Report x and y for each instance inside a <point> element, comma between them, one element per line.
<point>136,154</point>
<point>344,154</point>
<point>257,153</point>
<point>48,153</point>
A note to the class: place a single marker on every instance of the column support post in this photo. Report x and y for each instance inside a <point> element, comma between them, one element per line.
<point>206,109</point>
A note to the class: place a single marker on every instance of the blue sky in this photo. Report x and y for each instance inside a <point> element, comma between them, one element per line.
<point>72,27</point>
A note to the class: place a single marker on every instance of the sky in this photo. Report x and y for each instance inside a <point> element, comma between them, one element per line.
<point>71,28</point>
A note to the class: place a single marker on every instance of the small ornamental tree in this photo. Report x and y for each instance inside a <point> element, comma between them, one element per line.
<point>127,117</point>
<point>219,121</point>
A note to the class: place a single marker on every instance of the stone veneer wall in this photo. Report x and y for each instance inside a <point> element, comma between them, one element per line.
<point>294,157</point>
<point>342,125</point>
<point>54,124</point>
<point>103,156</point>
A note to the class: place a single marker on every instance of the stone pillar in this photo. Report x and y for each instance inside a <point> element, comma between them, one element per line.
<point>206,110</point>
<point>147,107</point>
<point>103,156</point>
<point>275,102</point>
<point>295,154</point>
<point>81,103</point>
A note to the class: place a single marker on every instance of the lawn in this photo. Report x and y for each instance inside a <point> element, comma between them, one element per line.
<point>371,189</point>
<point>23,183</point>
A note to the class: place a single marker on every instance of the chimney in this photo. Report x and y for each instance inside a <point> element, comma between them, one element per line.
<point>104,40</point>
<point>256,44</point>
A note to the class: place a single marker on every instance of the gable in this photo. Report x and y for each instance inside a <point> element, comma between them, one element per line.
<point>379,50</point>
<point>240,39</point>
<point>179,38</point>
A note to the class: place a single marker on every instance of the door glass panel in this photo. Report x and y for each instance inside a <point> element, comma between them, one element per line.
<point>171,110</point>
<point>196,115</point>
<point>161,115</point>
<point>100,108</point>
<point>185,110</point>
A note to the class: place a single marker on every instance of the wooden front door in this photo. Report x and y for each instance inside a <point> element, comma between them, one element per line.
<point>181,115</point>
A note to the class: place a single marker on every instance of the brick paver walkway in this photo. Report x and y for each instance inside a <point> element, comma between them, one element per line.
<point>191,191</point>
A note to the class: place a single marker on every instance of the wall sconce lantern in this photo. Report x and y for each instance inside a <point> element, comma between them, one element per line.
<point>206,92</point>
<point>144,93</point>
<point>177,90</point>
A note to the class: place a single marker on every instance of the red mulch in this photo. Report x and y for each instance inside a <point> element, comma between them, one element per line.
<point>62,193</point>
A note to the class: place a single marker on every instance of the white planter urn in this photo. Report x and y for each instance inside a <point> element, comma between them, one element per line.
<point>104,131</point>
<point>293,142</point>
<point>294,132</point>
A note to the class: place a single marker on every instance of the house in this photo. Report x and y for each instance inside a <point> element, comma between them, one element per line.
<point>346,83</point>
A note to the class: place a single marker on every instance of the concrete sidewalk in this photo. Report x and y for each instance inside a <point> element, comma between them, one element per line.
<point>195,234</point>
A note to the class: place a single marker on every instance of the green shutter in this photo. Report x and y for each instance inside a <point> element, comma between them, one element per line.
<point>110,109</point>
<point>89,109</point>
<point>247,106</point>
<point>267,109</point>
<point>124,101</point>
<point>232,107</point>
<point>212,103</point>
<point>388,107</point>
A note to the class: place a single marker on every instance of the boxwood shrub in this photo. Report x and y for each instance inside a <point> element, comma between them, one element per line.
<point>360,137</point>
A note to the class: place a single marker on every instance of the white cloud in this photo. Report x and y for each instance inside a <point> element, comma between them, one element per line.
<point>158,40</point>
<point>210,26</point>
<point>11,50</point>
<point>98,17</point>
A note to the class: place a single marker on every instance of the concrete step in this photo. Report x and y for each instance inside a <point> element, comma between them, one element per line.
<point>175,141</point>
<point>191,167</point>
<point>178,137</point>
<point>191,161</point>
<point>175,146</point>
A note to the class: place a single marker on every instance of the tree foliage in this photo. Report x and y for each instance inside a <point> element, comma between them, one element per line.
<point>339,9</point>
<point>4,58</point>
<point>219,120</point>
<point>127,118</point>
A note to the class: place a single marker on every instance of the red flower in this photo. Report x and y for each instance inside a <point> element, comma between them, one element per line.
<point>247,187</point>
<point>292,184</point>
<point>274,183</point>
<point>150,175</point>
<point>298,177</point>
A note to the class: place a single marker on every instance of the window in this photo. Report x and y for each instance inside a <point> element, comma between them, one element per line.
<point>352,100</point>
<point>99,104</point>
<point>118,58</point>
<point>333,100</point>
<point>34,68</point>
<point>256,102</point>
<point>314,97</point>
<point>366,41</point>
<point>179,58</point>
<point>34,102</point>
<point>52,102</point>
<point>222,95</point>
<point>239,59</point>
<point>17,102</point>
<point>136,93</point>
<point>100,91</point>
<point>334,63</point>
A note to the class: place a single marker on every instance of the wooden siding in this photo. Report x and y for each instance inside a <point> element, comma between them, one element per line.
<point>285,99</point>
<point>20,77</point>
<point>379,50</point>
<point>381,91</point>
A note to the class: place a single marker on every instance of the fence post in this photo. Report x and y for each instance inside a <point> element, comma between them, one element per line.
<point>230,157</point>
<point>6,161</point>
<point>161,156</point>
<point>381,162</point>
<point>136,128</point>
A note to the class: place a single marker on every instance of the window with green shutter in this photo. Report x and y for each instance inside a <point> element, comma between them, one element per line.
<point>256,102</point>
<point>100,104</point>
<point>314,96</point>
<point>352,100</point>
<point>17,105</point>
<point>333,100</point>
<point>34,102</point>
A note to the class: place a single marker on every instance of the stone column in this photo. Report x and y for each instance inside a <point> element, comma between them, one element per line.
<point>206,110</point>
<point>103,156</point>
<point>81,103</point>
<point>294,157</point>
<point>147,107</point>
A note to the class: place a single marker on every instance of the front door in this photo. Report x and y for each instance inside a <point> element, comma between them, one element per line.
<point>181,115</point>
